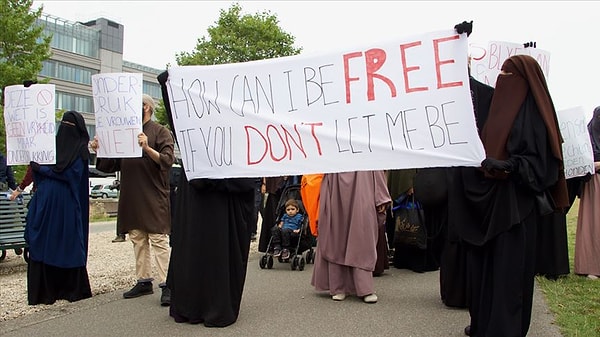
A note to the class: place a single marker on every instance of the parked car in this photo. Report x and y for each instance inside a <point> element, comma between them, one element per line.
<point>104,191</point>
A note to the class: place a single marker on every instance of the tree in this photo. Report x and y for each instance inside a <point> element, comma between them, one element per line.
<point>23,48</point>
<point>237,38</point>
<point>160,114</point>
<point>241,38</point>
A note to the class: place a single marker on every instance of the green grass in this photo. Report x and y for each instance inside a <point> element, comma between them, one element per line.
<point>102,219</point>
<point>574,300</point>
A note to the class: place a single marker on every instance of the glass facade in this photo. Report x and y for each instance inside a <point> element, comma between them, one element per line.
<point>70,36</point>
<point>152,89</point>
<point>69,101</point>
<point>68,72</point>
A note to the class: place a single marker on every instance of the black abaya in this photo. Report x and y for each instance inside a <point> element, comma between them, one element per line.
<point>497,218</point>
<point>210,246</point>
<point>210,241</point>
<point>552,249</point>
<point>453,262</point>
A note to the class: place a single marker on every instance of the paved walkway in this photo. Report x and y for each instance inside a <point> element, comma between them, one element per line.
<point>409,305</point>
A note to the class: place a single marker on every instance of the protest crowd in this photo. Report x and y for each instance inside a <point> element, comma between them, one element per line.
<point>489,226</point>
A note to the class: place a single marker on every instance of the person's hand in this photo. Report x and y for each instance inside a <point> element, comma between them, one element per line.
<point>35,167</point>
<point>29,83</point>
<point>464,27</point>
<point>296,231</point>
<point>143,140</point>
<point>382,208</point>
<point>491,164</point>
<point>14,194</point>
<point>263,188</point>
<point>94,144</point>
<point>597,166</point>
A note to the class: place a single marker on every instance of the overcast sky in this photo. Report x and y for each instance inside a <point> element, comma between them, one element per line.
<point>156,31</point>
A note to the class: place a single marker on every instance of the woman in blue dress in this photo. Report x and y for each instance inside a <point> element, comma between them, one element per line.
<point>58,219</point>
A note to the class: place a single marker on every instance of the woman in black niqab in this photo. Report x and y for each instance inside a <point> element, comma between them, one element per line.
<point>498,211</point>
<point>210,235</point>
<point>71,141</point>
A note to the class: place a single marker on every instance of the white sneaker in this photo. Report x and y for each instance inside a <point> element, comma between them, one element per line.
<point>339,297</point>
<point>370,298</point>
<point>592,277</point>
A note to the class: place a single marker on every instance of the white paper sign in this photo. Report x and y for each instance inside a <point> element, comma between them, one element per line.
<point>118,112</point>
<point>487,63</point>
<point>578,156</point>
<point>29,118</point>
<point>400,104</point>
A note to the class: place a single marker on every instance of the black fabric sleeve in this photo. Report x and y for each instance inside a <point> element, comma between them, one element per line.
<point>534,166</point>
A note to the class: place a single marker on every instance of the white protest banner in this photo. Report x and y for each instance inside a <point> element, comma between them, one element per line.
<point>118,113</point>
<point>29,118</point>
<point>486,66</point>
<point>578,156</point>
<point>392,105</point>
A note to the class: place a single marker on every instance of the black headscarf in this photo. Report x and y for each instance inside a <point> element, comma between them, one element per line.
<point>594,131</point>
<point>71,141</point>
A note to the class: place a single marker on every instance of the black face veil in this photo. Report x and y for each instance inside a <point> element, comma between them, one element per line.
<point>71,141</point>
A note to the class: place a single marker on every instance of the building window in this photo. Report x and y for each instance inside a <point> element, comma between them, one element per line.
<point>152,89</point>
<point>71,36</point>
<point>91,129</point>
<point>75,102</point>
<point>68,72</point>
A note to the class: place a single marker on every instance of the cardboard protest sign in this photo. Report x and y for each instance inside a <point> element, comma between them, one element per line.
<point>118,113</point>
<point>29,118</point>
<point>578,156</point>
<point>400,104</point>
<point>487,63</point>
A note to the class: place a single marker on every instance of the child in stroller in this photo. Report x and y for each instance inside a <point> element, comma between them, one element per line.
<point>279,247</point>
<point>289,226</point>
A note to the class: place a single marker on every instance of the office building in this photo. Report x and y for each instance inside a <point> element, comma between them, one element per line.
<point>80,50</point>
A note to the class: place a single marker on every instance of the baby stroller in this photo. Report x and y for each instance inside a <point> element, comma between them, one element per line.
<point>299,243</point>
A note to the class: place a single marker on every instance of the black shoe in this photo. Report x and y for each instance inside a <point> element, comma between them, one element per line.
<point>119,238</point>
<point>468,330</point>
<point>253,237</point>
<point>165,297</point>
<point>140,289</point>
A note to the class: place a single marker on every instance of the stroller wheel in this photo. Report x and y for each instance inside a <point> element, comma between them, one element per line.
<point>310,256</point>
<point>301,264</point>
<point>270,262</point>
<point>294,262</point>
<point>263,262</point>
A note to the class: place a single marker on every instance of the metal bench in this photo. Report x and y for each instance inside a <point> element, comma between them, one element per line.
<point>12,225</point>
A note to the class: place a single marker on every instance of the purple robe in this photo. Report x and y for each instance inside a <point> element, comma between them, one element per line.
<point>348,231</point>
